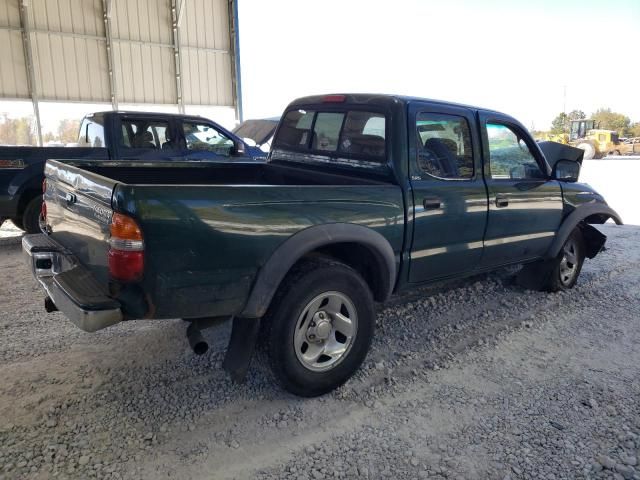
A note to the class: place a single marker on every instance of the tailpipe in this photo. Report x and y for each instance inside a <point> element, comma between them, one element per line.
<point>197,342</point>
<point>49,306</point>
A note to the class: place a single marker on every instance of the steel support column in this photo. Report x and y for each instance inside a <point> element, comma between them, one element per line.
<point>236,78</point>
<point>28,57</point>
<point>177,11</point>
<point>107,8</point>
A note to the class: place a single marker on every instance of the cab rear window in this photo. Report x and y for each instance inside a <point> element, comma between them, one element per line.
<point>354,133</point>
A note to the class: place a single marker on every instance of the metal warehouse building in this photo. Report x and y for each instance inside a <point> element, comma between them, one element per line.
<point>161,52</point>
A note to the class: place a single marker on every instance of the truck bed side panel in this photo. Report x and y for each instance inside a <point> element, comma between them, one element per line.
<point>204,245</point>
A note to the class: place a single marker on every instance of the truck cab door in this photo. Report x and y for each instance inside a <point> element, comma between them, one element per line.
<point>203,140</point>
<point>449,194</point>
<point>525,204</point>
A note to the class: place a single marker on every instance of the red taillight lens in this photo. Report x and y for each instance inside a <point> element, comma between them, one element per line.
<point>43,211</point>
<point>126,255</point>
<point>126,266</point>
<point>44,186</point>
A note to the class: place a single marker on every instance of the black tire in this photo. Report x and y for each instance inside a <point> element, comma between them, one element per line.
<point>309,281</point>
<point>560,273</point>
<point>31,216</point>
<point>559,280</point>
<point>18,222</point>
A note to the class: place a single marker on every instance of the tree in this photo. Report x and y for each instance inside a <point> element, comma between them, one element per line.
<point>17,131</point>
<point>68,131</point>
<point>608,120</point>
<point>562,122</point>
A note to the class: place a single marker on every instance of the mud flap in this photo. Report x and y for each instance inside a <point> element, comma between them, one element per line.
<point>533,276</point>
<point>244,334</point>
<point>594,240</point>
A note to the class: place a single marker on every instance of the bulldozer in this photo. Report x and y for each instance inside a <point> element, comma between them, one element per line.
<point>596,142</point>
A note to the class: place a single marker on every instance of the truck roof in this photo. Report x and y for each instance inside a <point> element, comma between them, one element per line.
<point>380,99</point>
<point>146,114</point>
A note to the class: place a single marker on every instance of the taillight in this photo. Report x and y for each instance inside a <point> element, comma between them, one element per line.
<point>126,252</point>
<point>334,98</point>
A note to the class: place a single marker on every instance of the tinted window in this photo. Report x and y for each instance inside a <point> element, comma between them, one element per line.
<point>294,131</point>
<point>203,137</point>
<point>145,134</point>
<point>444,146</point>
<point>364,134</point>
<point>326,131</point>
<point>92,133</point>
<point>509,155</point>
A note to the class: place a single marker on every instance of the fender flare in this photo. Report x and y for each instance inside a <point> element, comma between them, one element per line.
<point>580,214</point>
<point>294,248</point>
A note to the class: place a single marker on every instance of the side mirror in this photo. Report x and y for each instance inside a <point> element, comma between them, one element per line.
<point>238,148</point>
<point>566,171</point>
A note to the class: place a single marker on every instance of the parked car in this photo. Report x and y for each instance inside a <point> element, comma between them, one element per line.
<point>125,136</point>
<point>258,132</point>
<point>363,196</point>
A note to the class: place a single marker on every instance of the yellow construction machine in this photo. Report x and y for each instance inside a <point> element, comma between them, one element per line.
<point>595,142</point>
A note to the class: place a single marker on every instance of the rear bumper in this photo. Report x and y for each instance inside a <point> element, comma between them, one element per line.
<point>71,287</point>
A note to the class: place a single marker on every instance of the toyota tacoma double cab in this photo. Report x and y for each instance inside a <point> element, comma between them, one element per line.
<point>362,196</point>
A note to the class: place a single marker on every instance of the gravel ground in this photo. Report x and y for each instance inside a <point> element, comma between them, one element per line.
<point>480,380</point>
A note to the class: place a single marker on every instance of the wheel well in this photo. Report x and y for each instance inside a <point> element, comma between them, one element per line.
<point>362,259</point>
<point>25,198</point>
<point>600,218</point>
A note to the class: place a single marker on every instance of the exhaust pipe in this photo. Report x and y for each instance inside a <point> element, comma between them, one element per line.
<point>196,341</point>
<point>49,306</point>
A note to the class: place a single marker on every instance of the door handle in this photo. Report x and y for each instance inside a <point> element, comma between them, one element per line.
<point>501,201</point>
<point>431,203</point>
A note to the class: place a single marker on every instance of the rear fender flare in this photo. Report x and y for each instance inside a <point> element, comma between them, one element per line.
<point>582,214</point>
<point>306,241</point>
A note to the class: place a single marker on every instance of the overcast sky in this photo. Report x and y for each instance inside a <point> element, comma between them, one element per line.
<point>516,56</point>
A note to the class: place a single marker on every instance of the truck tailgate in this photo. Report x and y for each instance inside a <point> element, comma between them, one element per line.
<point>78,206</point>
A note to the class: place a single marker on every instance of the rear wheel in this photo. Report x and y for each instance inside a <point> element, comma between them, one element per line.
<point>18,222</point>
<point>31,216</point>
<point>319,327</point>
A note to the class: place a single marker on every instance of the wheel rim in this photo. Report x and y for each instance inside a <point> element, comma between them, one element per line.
<point>325,331</point>
<point>569,262</point>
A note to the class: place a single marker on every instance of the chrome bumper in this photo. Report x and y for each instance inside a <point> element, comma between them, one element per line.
<point>71,287</point>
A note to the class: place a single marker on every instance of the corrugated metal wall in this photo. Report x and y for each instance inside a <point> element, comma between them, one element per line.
<point>68,41</point>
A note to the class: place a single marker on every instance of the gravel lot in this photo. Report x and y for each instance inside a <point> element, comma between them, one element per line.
<point>483,380</point>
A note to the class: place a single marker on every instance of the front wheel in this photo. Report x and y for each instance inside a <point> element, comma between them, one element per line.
<point>560,273</point>
<point>319,327</point>
<point>568,264</point>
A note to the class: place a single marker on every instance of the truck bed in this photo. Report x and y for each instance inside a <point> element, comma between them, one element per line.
<point>207,230</point>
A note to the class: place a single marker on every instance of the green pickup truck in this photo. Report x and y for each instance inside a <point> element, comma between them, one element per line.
<point>362,196</point>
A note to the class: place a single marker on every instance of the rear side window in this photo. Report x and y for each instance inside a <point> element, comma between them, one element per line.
<point>148,134</point>
<point>349,134</point>
<point>444,146</point>
<point>92,133</point>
